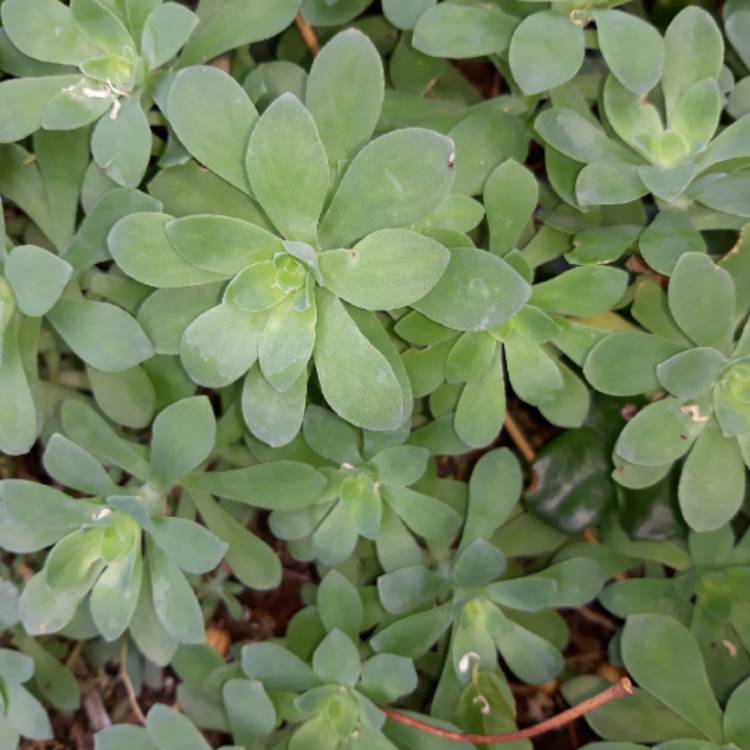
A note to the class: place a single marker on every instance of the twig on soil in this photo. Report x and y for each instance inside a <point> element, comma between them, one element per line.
<point>621,689</point>
<point>127,682</point>
<point>311,39</point>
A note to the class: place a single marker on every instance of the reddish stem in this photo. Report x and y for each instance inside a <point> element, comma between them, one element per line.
<point>621,689</point>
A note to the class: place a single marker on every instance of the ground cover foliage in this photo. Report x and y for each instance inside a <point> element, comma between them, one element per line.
<point>374,374</point>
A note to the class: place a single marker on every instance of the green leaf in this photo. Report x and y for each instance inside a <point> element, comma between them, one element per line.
<point>668,236</point>
<point>696,113</point>
<point>530,657</point>
<point>23,102</point>
<point>387,677</point>
<point>409,588</point>
<point>221,345</point>
<point>183,437</point>
<point>46,30</point>
<point>727,193</point>
<point>54,680</point>
<point>115,595</point>
<point>574,136</point>
<point>76,468</point>
<point>534,375</point>
<point>325,13</point>
<point>457,31</point>
<point>336,660</point>
<point>587,290</point>
<point>334,540</point>
<point>126,397</point>
<point>102,335</point>
<point>546,51</point>
<point>701,299</point>
<point>26,714</point>
<point>494,489</point>
<point>366,392</point>
<point>141,248</point>
<point>89,246</point>
<point>477,564</point>
<point>735,25</point>
<point>221,244</point>
<point>193,548</point>
<point>169,729</point>
<point>174,601</point>
<point>481,408</point>
<point>339,605</point>
<point>252,561</point>
<point>400,464</point>
<point>123,737</point>
<point>636,121</point>
<point>37,278</point>
<point>414,635</point>
<point>36,516</point>
<point>122,146</point>
<point>405,17</point>
<point>18,416</point>
<point>694,51</point>
<point>330,436</point>
<point>277,668</point>
<point>736,727</point>
<point>477,291</point>
<point>101,26</point>
<point>250,711</point>
<point>578,579</point>
<point>286,344</point>
<point>633,718</point>
<point>618,34</point>
<point>525,594</point>
<point>389,268</point>
<point>573,488</point>
<point>394,180</point>
<point>470,356</point>
<point>660,433</point>
<point>287,167</point>
<point>424,515</point>
<point>273,416</point>
<point>712,483</point>
<point>213,117</point>
<point>165,31</point>
<point>236,23</point>
<point>511,194</point>
<point>625,363</point>
<point>279,485</point>
<point>602,244</point>
<point>482,141</point>
<point>189,189</point>
<point>663,656</point>
<point>692,373</point>
<point>83,425</point>
<point>154,642</point>
<point>346,115</point>
<point>607,182</point>
<point>45,610</point>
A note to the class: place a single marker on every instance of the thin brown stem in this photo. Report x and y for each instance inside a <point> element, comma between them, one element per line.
<point>519,439</point>
<point>128,683</point>
<point>310,37</point>
<point>621,689</point>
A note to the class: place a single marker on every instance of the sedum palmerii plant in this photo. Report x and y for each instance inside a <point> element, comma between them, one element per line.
<point>374,375</point>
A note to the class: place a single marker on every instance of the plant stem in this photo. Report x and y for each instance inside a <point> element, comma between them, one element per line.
<point>621,689</point>
<point>125,678</point>
<point>519,439</point>
<point>311,40</point>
